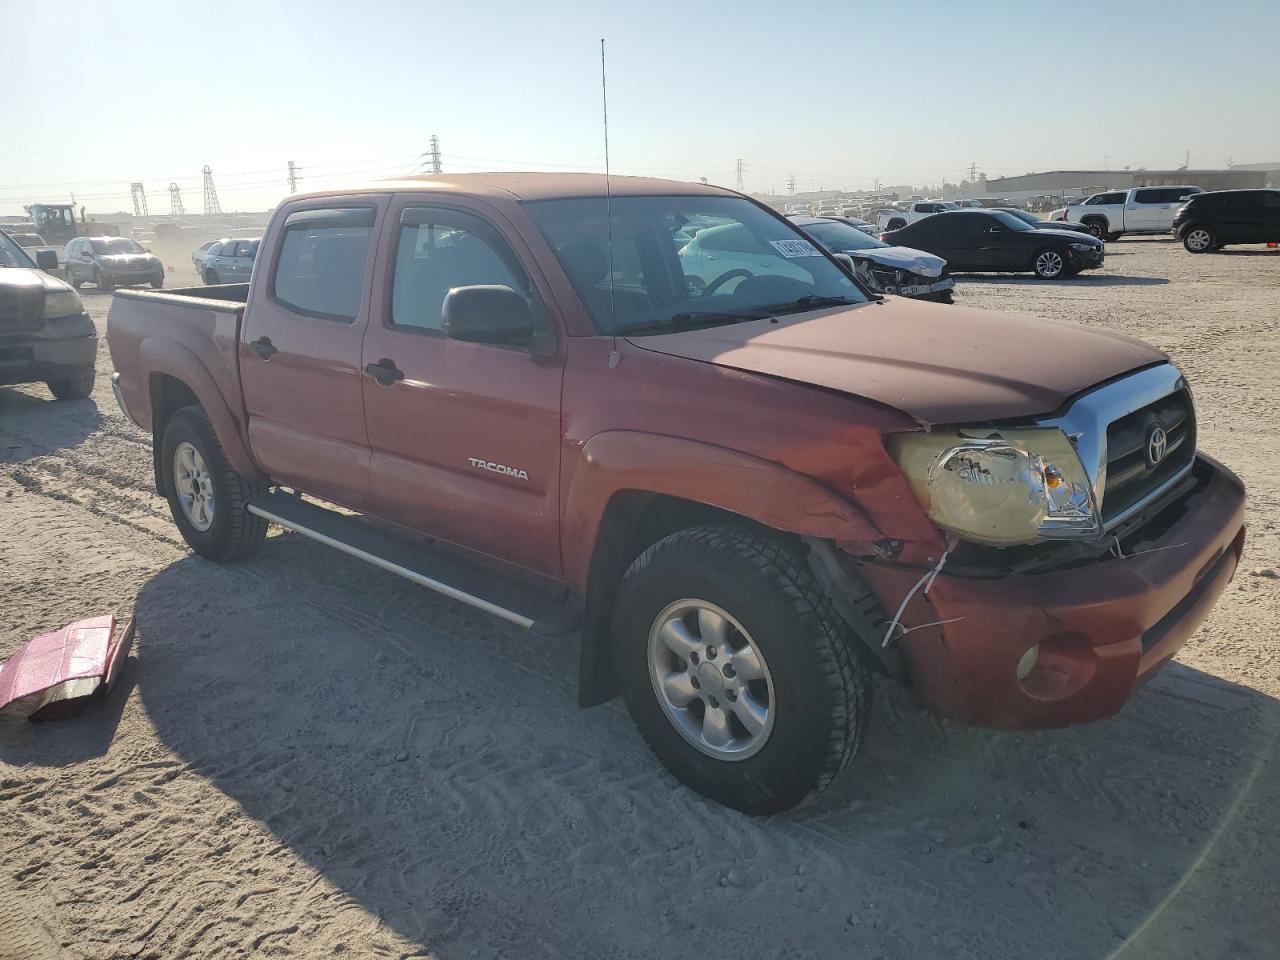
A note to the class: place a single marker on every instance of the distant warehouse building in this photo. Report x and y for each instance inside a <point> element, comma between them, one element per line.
<point>1080,183</point>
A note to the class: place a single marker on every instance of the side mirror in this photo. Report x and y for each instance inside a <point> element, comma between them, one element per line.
<point>844,260</point>
<point>47,260</point>
<point>489,313</point>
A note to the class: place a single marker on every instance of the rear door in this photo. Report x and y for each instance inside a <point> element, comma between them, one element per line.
<point>300,348</point>
<point>1151,209</point>
<point>1269,201</point>
<point>466,441</point>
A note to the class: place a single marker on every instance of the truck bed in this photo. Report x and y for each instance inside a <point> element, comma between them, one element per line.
<point>157,331</point>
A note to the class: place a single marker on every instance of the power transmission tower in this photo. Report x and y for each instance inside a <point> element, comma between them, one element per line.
<point>431,158</point>
<point>791,185</point>
<point>973,172</point>
<point>175,201</point>
<point>211,204</point>
<point>139,194</point>
<point>741,168</point>
<point>293,177</point>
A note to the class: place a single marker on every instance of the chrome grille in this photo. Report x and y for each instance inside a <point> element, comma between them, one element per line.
<point>1146,449</point>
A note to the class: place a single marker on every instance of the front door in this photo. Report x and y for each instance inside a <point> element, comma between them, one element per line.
<point>1149,209</point>
<point>300,349</point>
<point>465,437</point>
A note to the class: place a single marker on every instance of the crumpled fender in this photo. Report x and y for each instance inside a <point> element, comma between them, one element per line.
<point>162,355</point>
<point>762,490</point>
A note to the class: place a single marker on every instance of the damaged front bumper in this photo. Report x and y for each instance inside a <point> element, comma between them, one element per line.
<point>1069,643</point>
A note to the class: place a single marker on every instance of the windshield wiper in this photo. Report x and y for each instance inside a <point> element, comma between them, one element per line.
<point>696,318</point>
<point>812,302</point>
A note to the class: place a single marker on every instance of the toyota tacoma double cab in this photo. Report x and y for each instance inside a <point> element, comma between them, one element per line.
<point>745,495</point>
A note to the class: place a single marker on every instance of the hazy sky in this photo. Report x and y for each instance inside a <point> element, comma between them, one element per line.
<point>837,93</point>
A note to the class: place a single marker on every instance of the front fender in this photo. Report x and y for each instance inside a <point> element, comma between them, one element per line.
<point>165,356</point>
<point>761,490</point>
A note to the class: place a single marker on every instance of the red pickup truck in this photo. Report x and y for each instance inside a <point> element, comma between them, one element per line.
<point>746,494</point>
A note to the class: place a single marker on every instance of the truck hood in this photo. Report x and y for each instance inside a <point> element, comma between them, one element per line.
<point>903,258</point>
<point>27,280</point>
<point>938,364</point>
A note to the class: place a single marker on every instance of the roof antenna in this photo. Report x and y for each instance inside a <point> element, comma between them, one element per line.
<point>614,356</point>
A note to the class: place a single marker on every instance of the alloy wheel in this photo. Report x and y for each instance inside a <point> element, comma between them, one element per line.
<point>194,486</point>
<point>1049,264</point>
<point>711,680</point>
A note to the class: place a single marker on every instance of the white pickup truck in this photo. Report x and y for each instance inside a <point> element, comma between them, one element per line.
<point>1140,210</point>
<point>895,219</point>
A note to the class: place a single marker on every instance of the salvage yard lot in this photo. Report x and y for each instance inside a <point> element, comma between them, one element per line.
<point>309,757</point>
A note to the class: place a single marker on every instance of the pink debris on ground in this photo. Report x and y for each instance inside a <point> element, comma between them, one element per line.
<point>54,675</point>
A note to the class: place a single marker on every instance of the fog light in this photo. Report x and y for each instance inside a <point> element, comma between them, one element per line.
<point>1028,662</point>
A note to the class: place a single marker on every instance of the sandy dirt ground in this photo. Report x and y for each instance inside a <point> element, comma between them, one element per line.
<point>308,757</point>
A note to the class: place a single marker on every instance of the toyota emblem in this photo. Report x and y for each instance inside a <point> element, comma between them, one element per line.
<point>1157,445</point>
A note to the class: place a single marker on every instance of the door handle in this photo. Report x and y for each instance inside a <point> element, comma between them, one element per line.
<point>263,347</point>
<point>384,371</point>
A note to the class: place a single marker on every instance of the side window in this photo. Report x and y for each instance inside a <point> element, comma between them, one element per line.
<point>320,268</point>
<point>442,249</point>
<point>215,250</point>
<point>1146,196</point>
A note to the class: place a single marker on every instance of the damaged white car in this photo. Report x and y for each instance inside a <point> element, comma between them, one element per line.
<point>897,270</point>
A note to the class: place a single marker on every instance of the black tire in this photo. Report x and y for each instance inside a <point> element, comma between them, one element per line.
<point>74,388</point>
<point>822,689</point>
<point>99,282</point>
<point>234,533</point>
<point>157,283</point>
<point>1199,238</point>
<point>1049,263</point>
<point>1112,237</point>
<point>76,282</point>
<point>211,278</point>
<point>1097,227</point>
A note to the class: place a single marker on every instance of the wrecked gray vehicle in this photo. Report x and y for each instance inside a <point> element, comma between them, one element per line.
<point>885,269</point>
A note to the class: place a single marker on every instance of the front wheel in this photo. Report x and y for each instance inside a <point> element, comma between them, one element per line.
<point>157,283</point>
<point>100,281</point>
<point>1048,264</point>
<point>1098,228</point>
<point>211,278</point>
<point>206,496</point>
<point>736,669</point>
<point>1199,239</point>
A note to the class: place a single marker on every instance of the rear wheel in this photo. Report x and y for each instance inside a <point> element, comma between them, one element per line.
<point>1097,227</point>
<point>211,277</point>
<point>1199,239</point>
<point>206,496</point>
<point>1049,264</point>
<point>75,388</point>
<point>736,669</point>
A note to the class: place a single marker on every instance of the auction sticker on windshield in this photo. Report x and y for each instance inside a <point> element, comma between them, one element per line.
<point>795,248</point>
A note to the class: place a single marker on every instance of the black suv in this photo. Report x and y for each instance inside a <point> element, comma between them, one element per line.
<point>1209,221</point>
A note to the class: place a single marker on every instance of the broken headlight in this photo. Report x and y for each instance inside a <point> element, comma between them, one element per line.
<point>1000,487</point>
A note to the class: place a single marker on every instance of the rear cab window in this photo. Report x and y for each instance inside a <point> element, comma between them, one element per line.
<point>320,266</point>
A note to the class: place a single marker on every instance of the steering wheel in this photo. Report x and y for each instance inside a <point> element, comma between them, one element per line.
<point>724,278</point>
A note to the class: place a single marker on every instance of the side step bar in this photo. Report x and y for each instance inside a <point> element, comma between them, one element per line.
<point>455,578</point>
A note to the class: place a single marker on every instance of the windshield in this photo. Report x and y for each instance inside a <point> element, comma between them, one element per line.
<point>12,255</point>
<point>687,261</point>
<point>840,237</point>
<point>1010,221</point>
<point>117,245</point>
